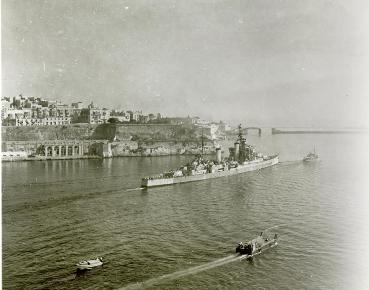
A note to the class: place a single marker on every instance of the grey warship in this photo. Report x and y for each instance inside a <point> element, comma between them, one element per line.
<point>243,158</point>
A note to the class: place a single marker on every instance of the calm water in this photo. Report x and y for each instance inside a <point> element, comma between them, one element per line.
<point>183,237</point>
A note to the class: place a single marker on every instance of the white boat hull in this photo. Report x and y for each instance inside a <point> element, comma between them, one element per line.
<point>88,265</point>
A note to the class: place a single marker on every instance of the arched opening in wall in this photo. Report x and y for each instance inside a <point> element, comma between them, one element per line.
<point>63,151</point>
<point>70,150</point>
<point>76,150</point>
<point>49,151</point>
<point>41,150</point>
<point>57,150</point>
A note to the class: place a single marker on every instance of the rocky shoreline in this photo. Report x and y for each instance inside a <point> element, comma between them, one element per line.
<point>81,141</point>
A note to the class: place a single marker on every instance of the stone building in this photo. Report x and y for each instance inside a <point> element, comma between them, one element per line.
<point>93,115</point>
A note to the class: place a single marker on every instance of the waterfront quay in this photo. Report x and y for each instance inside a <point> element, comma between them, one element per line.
<point>105,140</point>
<point>48,150</point>
<point>65,148</point>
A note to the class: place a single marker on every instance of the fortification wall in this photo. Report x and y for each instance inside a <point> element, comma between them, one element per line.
<point>40,133</point>
<point>158,131</point>
<point>111,132</point>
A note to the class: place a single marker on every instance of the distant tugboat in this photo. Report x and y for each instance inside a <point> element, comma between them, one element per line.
<point>243,158</point>
<point>256,246</point>
<point>311,157</point>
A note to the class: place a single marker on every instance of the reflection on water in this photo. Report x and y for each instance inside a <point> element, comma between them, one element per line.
<point>57,213</point>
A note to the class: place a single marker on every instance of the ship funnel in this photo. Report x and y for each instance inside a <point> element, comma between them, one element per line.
<point>236,151</point>
<point>219,154</point>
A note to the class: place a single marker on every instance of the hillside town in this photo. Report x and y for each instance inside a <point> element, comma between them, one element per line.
<point>35,127</point>
<point>34,111</point>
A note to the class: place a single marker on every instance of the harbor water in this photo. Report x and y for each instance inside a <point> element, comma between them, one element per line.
<point>56,213</point>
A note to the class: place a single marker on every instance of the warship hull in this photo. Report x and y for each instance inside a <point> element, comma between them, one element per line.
<point>249,166</point>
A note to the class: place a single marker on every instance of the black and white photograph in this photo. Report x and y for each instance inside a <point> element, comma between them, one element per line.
<point>184,144</point>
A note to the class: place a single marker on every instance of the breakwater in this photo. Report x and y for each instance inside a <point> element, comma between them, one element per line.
<point>318,131</point>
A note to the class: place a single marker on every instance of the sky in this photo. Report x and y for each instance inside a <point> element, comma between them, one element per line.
<point>266,63</point>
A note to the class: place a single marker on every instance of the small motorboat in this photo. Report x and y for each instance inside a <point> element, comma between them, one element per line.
<point>256,246</point>
<point>89,264</point>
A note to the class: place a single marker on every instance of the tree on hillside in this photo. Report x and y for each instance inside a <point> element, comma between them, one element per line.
<point>113,120</point>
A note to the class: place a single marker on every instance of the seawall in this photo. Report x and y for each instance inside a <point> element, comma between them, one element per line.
<point>162,132</point>
<point>95,132</point>
<point>124,139</point>
<point>41,133</point>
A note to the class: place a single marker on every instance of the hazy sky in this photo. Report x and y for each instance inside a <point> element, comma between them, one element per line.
<point>273,62</point>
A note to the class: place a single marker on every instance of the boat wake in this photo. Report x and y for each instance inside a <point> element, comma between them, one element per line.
<point>183,273</point>
<point>273,227</point>
<point>133,189</point>
<point>193,270</point>
<point>288,162</point>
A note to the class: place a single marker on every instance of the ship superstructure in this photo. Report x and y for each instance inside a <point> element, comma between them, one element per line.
<point>243,158</point>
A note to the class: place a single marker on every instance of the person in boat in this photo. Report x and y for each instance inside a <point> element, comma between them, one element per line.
<point>241,245</point>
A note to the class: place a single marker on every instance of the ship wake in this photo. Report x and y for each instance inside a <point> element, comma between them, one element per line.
<point>183,273</point>
<point>134,189</point>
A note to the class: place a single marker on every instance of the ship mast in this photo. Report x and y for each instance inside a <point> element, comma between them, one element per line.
<point>202,141</point>
<point>240,136</point>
